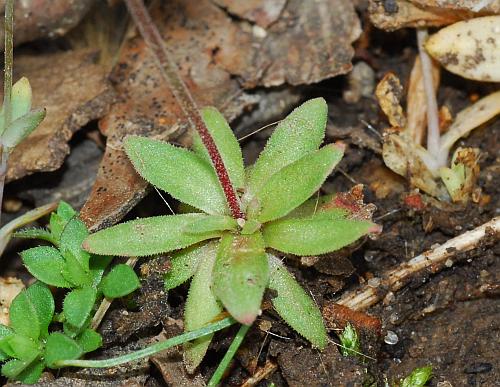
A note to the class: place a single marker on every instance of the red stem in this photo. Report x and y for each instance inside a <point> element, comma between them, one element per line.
<point>183,96</point>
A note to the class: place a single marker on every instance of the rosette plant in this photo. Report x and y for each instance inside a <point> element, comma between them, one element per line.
<point>240,217</point>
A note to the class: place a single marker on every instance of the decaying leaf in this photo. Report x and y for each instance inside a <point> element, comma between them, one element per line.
<point>261,12</point>
<point>404,13</point>
<point>483,6</point>
<point>74,90</point>
<point>9,289</point>
<point>309,42</point>
<point>389,93</point>
<point>44,18</point>
<point>469,48</point>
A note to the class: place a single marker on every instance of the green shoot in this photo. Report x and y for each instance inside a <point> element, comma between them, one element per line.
<point>418,377</point>
<point>349,340</point>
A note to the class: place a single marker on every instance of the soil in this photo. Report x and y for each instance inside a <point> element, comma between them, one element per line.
<point>449,320</point>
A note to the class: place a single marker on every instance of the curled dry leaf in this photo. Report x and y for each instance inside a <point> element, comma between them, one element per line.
<point>469,48</point>
<point>210,50</point>
<point>74,90</point>
<point>45,18</point>
<point>9,289</point>
<point>404,13</point>
<point>389,92</point>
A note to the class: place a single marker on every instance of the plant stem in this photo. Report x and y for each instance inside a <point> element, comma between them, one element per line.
<point>433,133</point>
<point>168,68</point>
<point>151,350</point>
<point>7,88</point>
<point>106,303</point>
<point>221,369</point>
<point>434,260</point>
<point>28,217</point>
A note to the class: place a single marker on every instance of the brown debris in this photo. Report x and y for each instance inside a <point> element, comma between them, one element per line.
<point>209,51</point>
<point>261,12</point>
<point>74,90</point>
<point>389,93</point>
<point>44,18</point>
<point>337,316</point>
<point>9,289</point>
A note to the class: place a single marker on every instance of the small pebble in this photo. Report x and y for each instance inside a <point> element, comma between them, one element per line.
<point>374,282</point>
<point>448,263</point>
<point>391,338</point>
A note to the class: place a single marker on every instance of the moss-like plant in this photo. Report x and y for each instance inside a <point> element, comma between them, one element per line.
<point>242,215</point>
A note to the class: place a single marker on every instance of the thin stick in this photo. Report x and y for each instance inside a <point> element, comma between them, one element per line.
<point>169,71</point>
<point>7,89</point>
<point>433,133</point>
<point>221,369</point>
<point>148,351</point>
<point>106,302</point>
<point>434,259</point>
<point>267,369</point>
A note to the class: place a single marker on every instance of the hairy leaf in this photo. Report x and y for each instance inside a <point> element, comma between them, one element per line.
<point>201,309</point>
<point>19,129</point>
<point>32,310</point>
<point>71,240</point>
<point>226,143</point>
<point>295,183</point>
<point>60,218</point>
<point>78,305</point>
<point>142,237</point>
<point>89,340</point>
<point>61,347</point>
<point>320,233</point>
<point>185,262</point>
<point>211,223</point>
<point>180,172</point>
<point>294,305</point>
<point>21,98</point>
<point>120,281</point>
<point>5,331</point>
<point>35,233</point>
<point>300,133</point>
<point>25,371</point>
<point>98,264</point>
<point>241,274</point>
<point>20,347</point>
<point>74,272</point>
<point>46,264</point>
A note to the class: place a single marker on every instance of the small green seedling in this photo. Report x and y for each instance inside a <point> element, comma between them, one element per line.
<point>243,216</point>
<point>349,340</point>
<point>418,377</point>
<point>27,341</point>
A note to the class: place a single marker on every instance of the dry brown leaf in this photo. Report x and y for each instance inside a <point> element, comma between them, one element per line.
<point>210,49</point>
<point>416,101</point>
<point>74,90</point>
<point>469,48</point>
<point>44,18</point>
<point>9,289</point>
<point>486,6</point>
<point>404,13</point>
<point>389,93</point>
<point>261,12</point>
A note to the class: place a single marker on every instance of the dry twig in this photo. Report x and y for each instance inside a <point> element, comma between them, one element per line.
<point>436,259</point>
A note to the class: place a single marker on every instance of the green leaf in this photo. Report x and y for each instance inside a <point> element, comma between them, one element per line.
<point>185,262</point>
<point>98,264</point>
<point>5,331</point>
<point>418,377</point>
<point>46,264</point>
<point>73,235</point>
<point>241,274</point>
<point>60,218</point>
<point>226,143</point>
<point>294,305</point>
<point>180,172</point>
<point>300,133</point>
<point>78,305</point>
<point>20,347</point>
<point>35,233</point>
<point>24,371</point>
<point>148,236</point>
<point>21,128</point>
<point>89,340</point>
<point>295,183</point>
<point>349,340</point>
<point>320,233</point>
<point>74,272</point>
<point>32,310</point>
<point>211,223</point>
<point>21,98</point>
<point>120,281</point>
<point>201,309</point>
<point>61,347</point>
